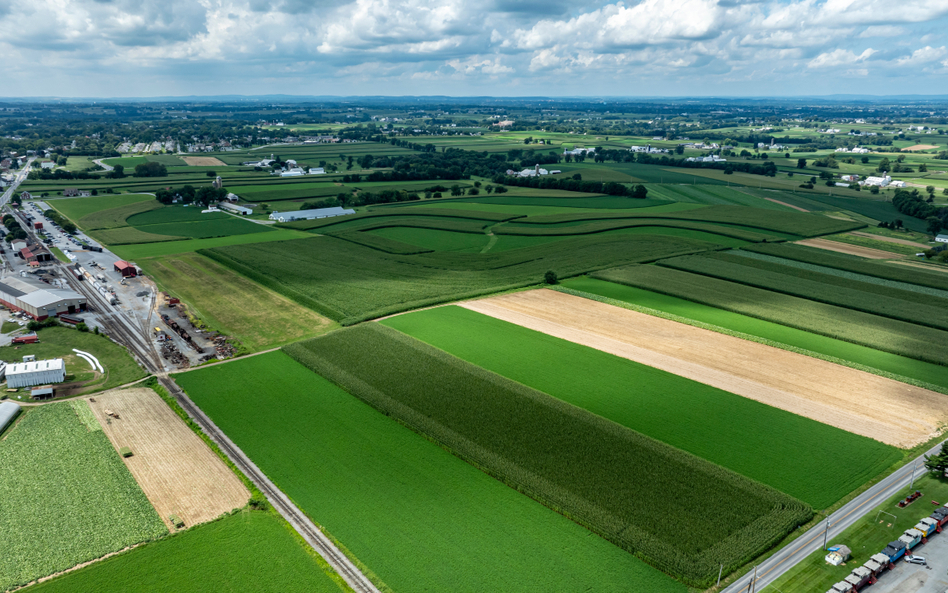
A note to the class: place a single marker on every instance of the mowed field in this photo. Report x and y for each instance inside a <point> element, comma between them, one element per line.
<point>65,495</point>
<point>814,462</point>
<point>858,402</point>
<point>177,471</point>
<point>249,551</point>
<point>418,517</point>
<point>234,305</point>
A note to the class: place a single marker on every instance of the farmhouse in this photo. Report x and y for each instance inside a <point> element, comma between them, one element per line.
<point>883,181</point>
<point>713,158</point>
<point>37,372</point>
<point>126,269</point>
<point>310,214</point>
<point>578,151</point>
<point>942,238</point>
<point>243,211</point>
<point>39,301</point>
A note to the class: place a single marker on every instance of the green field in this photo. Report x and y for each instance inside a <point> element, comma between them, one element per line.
<point>58,342</point>
<point>418,517</point>
<point>171,246</point>
<point>77,208</point>
<point>814,462</point>
<point>349,282</point>
<point>206,229</point>
<point>170,214</point>
<point>606,477</point>
<point>894,303</point>
<point>129,162</point>
<point>434,239</point>
<point>128,235</point>
<point>65,495</point>
<point>249,551</point>
<point>861,355</point>
<point>888,335</point>
<point>257,317</point>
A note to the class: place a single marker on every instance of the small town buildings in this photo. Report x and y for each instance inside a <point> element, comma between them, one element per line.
<point>36,372</point>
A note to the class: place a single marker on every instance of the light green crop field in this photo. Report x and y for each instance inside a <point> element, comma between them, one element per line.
<point>171,247</point>
<point>129,162</point>
<point>813,462</point>
<point>884,361</point>
<point>114,218</point>
<point>418,517</point>
<point>66,497</point>
<point>249,551</point>
<point>77,208</point>
<point>204,229</point>
<point>58,342</point>
<point>435,239</point>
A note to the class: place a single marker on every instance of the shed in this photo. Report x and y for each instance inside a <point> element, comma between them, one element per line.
<point>126,269</point>
<point>45,392</point>
<point>8,411</point>
<point>838,554</point>
<point>41,372</point>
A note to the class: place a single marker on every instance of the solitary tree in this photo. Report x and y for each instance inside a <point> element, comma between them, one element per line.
<point>934,225</point>
<point>550,277</point>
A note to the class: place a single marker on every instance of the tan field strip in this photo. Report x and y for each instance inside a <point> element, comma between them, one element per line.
<point>204,161</point>
<point>921,147</point>
<point>797,208</point>
<point>855,401</point>
<point>177,471</point>
<point>890,239</point>
<point>838,247</point>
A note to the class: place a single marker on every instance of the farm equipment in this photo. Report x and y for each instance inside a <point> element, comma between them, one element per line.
<point>112,414</point>
<point>125,452</point>
<point>176,521</point>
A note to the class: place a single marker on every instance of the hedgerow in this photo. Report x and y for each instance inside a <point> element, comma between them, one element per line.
<point>623,485</point>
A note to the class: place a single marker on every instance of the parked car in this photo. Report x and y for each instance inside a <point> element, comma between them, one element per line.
<point>916,560</point>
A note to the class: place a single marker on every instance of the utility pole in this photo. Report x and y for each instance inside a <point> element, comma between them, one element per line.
<point>826,534</point>
<point>754,581</point>
<point>912,485</point>
<point>719,575</point>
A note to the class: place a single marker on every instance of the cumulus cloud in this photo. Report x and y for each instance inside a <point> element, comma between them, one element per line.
<point>839,57</point>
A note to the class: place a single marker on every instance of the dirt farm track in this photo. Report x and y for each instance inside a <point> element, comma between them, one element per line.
<point>855,401</point>
<point>179,473</point>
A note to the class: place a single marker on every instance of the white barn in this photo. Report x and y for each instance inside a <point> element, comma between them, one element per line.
<point>37,372</point>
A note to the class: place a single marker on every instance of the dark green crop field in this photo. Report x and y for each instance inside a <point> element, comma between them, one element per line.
<point>811,461</point>
<point>859,265</point>
<point>250,551</point>
<point>394,215</point>
<point>418,517</point>
<point>888,302</point>
<point>350,283</point>
<point>203,229</point>
<point>768,330</point>
<point>166,214</point>
<point>623,485</point>
<point>888,335</point>
<point>601,226</point>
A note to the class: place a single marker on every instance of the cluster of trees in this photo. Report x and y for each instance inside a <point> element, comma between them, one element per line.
<point>56,174</point>
<point>151,169</point>
<point>204,195</point>
<point>914,205</point>
<point>64,223</point>
<point>575,183</point>
<point>14,230</point>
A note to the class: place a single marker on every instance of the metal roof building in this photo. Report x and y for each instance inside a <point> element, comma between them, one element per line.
<point>310,214</point>
<point>8,411</point>
<point>39,372</point>
<point>39,300</point>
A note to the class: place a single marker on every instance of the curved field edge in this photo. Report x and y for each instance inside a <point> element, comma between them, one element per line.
<point>423,519</point>
<point>589,500</point>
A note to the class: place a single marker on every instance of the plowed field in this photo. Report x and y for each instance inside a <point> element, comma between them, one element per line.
<point>179,474</point>
<point>855,401</point>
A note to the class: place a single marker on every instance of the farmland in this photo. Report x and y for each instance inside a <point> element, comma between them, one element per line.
<point>692,416</point>
<point>58,342</point>
<point>724,320</point>
<point>560,455</point>
<point>65,495</point>
<point>250,551</point>
<point>888,335</point>
<point>342,461</point>
<point>256,316</point>
<point>172,245</point>
<point>350,283</point>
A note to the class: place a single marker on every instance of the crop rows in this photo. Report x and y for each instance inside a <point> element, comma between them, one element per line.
<point>824,288</point>
<point>115,217</point>
<point>888,335</point>
<point>65,497</point>
<point>381,243</point>
<point>396,215</point>
<point>601,226</point>
<point>351,283</point>
<point>457,225</point>
<point>621,484</point>
<point>854,264</point>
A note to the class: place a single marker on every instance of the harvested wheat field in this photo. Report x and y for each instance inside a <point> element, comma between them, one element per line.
<point>862,403</point>
<point>838,247</point>
<point>204,161</point>
<point>921,147</point>
<point>178,472</point>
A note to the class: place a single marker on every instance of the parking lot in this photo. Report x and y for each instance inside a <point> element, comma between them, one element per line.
<point>912,578</point>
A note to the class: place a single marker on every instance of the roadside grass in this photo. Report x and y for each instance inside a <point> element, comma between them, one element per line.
<point>230,303</point>
<point>418,517</point>
<point>246,551</point>
<point>65,495</point>
<point>868,536</point>
<point>862,355</point>
<point>58,342</point>
<point>351,283</point>
<point>813,462</point>
<point>8,327</point>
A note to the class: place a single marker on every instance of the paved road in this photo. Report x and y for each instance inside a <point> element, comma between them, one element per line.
<point>20,177</point>
<point>775,566</point>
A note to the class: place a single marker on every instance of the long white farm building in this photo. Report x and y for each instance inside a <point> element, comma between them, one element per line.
<point>39,300</point>
<point>310,214</point>
<point>37,372</point>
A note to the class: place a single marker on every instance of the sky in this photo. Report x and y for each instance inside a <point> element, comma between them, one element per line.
<point>137,48</point>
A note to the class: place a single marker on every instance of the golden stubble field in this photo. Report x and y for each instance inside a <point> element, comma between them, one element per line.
<point>203,161</point>
<point>862,403</point>
<point>177,471</point>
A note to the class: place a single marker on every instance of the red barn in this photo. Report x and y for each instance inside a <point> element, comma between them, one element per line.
<point>126,269</point>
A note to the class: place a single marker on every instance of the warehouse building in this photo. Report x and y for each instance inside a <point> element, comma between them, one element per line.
<point>39,300</point>
<point>8,411</point>
<point>126,269</point>
<point>36,372</point>
<point>310,214</point>
<point>242,210</point>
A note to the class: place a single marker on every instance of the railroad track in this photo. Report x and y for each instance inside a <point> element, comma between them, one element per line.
<point>300,522</point>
